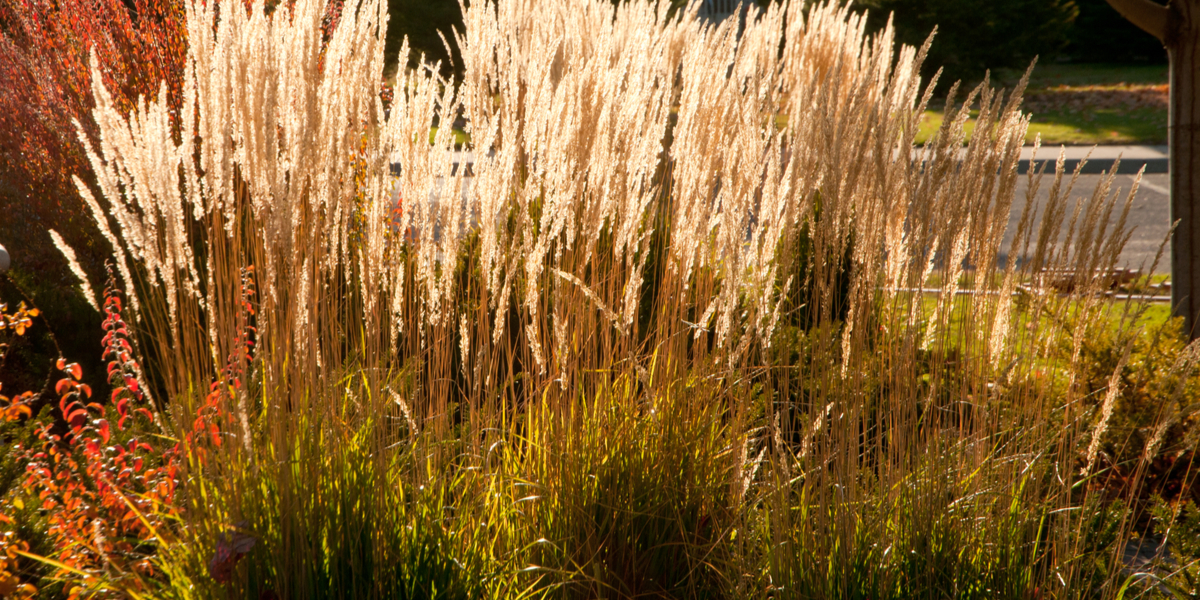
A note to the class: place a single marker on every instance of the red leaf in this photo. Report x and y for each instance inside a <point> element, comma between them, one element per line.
<point>77,419</point>
<point>102,427</point>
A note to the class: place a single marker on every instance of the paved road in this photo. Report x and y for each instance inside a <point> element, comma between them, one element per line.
<point>1149,216</point>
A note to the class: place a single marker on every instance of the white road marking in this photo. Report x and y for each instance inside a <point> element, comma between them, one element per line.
<point>1153,187</point>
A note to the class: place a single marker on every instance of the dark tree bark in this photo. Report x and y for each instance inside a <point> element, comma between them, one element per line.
<point>1177,25</point>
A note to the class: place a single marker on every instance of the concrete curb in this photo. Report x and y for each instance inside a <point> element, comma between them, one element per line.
<point>1099,159</point>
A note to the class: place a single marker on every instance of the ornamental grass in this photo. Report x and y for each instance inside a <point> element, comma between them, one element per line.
<point>666,338</point>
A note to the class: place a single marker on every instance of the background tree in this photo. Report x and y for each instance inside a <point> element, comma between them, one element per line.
<point>421,21</point>
<point>1177,26</point>
<point>976,35</point>
<point>1095,29</point>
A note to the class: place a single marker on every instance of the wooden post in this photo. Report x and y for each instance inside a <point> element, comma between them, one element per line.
<point>1177,25</point>
<point>1183,46</point>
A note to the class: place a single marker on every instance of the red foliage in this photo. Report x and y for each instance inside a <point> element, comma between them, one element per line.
<point>18,321</point>
<point>108,496</point>
<point>10,584</point>
<point>123,370</point>
<point>45,83</point>
<point>214,413</point>
<point>1085,99</point>
<point>17,407</point>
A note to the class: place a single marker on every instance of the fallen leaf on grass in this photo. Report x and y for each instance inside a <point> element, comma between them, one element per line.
<point>229,551</point>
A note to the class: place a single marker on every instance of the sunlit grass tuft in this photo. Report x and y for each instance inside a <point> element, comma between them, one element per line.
<point>664,345</point>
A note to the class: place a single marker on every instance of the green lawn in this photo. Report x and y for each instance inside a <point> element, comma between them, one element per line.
<point>1087,104</point>
<point>461,138</point>
<point>1071,104</point>
<point>1061,127</point>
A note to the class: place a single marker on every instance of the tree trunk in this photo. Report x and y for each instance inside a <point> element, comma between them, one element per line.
<point>1177,25</point>
<point>1183,46</point>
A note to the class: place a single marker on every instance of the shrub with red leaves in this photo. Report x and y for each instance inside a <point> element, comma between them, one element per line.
<point>108,495</point>
<point>215,414</point>
<point>45,84</point>
<point>123,369</point>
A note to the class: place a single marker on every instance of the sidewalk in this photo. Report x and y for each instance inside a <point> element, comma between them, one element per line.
<point>1102,158</point>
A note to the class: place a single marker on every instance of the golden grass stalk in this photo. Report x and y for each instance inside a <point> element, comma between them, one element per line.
<point>728,216</point>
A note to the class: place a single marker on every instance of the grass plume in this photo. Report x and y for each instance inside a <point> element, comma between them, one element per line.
<point>664,343</point>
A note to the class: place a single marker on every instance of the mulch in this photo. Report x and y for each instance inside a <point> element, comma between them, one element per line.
<point>1083,99</point>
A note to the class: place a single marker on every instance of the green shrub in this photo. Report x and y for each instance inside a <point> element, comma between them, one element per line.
<point>1157,378</point>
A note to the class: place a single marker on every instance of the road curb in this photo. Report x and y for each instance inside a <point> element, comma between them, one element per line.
<point>1099,159</point>
<point>1095,166</point>
<point>1102,159</point>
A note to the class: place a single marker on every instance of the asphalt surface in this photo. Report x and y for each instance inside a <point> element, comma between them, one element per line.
<point>1149,215</point>
<point>1098,159</point>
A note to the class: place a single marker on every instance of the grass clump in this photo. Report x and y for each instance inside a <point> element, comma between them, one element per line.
<point>663,346</point>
